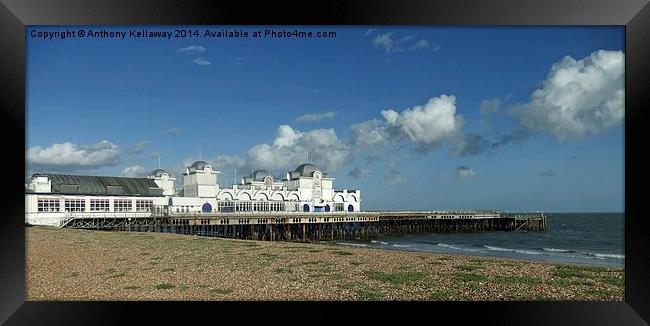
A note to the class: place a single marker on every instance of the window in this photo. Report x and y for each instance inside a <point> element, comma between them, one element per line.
<point>143,205</point>
<point>123,205</point>
<point>75,205</point>
<point>338,207</point>
<point>49,205</point>
<point>99,205</point>
<point>226,206</point>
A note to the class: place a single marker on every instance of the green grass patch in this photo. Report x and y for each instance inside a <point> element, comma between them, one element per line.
<point>467,268</point>
<point>568,271</point>
<point>396,278</point>
<point>370,294</point>
<point>221,291</point>
<point>314,250</point>
<point>283,270</point>
<point>440,295</point>
<point>269,256</point>
<point>469,277</point>
<point>164,286</point>
<point>250,244</point>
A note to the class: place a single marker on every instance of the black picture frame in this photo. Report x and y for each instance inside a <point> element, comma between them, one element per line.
<point>634,15</point>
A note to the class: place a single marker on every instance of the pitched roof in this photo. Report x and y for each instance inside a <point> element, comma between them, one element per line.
<point>101,185</point>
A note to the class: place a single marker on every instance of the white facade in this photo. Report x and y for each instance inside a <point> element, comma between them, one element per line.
<point>51,199</point>
<point>199,180</point>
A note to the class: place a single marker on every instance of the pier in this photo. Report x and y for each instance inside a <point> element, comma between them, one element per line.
<point>305,227</point>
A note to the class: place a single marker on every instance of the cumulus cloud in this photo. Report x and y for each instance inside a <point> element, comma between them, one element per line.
<point>370,137</point>
<point>192,49</point>
<point>290,148</point>
<point>464,172</point>
<point>547,173</point>
<point>429,125</point>
<point>201,61</point>
<point>223,162</point>
<point>314,117</point>
<point>578,97</point>
<point>134,171</point>
<point>70,157</point>
<point>425,127</point>
<point>358,173</point>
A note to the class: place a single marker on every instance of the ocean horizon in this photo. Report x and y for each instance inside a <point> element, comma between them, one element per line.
<point>594,238</point>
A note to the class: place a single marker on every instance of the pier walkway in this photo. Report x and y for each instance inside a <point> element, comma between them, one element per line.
<point>309,226</point>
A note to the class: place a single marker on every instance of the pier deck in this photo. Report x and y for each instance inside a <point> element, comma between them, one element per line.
<point>304,226</point>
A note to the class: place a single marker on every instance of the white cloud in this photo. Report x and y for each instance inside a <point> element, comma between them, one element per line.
<point>201,61</point>
<point>192,49</point>
<point>370,137</point>
<point>314,117</point>
<point>69,156</point>
<point>134,171</point>
<point>370,30</point>
<point>421,44</point>
<point>402,44</point>
<point>385,41</point>
<point>578,98</point>
<point>290,148</point>
<point>427,126</point>
<point>223,162</point>
<point>465,172</point>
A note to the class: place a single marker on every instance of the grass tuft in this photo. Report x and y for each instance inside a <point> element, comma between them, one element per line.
<point>164,286</point>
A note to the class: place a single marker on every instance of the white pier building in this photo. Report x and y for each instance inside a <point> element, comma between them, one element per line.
<point>52,198</point>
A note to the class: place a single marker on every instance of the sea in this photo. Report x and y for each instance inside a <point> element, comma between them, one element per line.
<point>595,239</point>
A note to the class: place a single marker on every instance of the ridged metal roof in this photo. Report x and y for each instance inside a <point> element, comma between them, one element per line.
<point>100,185</point>
<point>158,173</point>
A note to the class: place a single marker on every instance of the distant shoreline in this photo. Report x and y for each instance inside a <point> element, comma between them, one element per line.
<point>72,264</point>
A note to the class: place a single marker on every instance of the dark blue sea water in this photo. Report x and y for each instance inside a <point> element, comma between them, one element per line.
<point>571,238</point>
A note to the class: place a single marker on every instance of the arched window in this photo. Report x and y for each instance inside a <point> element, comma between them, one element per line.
<point>305,207</point>
<point>206,208</point>
<point>350,208</point>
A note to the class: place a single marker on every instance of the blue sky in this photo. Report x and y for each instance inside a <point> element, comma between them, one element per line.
<point>417,118</point>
